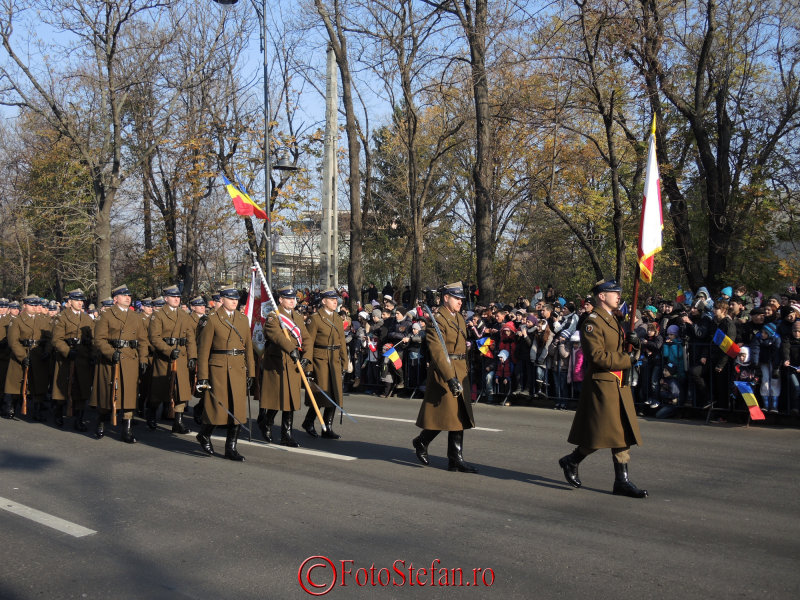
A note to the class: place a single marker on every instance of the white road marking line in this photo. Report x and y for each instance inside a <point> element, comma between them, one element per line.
<point>319,453</point>
<point>414,421</point>
<point>44,518</point>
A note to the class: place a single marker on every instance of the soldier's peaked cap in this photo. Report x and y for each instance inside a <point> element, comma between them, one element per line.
<point>329,293</point>
<point>76,295</point>
<point>229,292</point>
<point>172,291</point>
<point>106,302</point>
<point>199,301</point>
<point>287,291</point>
<point>3,302</point>
<point>147,301</point>
<point>606,285</point>
<point>31,300</point>
<point>13,304</point>
<point>121,289</point>
<point>456,290</point>
<point>159,301</point>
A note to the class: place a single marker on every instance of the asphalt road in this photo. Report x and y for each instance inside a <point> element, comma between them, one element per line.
<point>169,522</point>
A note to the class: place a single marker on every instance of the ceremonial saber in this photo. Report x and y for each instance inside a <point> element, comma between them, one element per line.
<point>444,347</point>
<point>214,398</point>
<point>286,333</point>
<point>332,401</point>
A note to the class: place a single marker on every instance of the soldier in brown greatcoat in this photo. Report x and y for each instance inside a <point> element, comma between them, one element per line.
<point>281,385</point>
<point>74,371</point>
<point>329,359</point>
<point>606,417</point>
<point>120,339</point>
<point>5,353</point>
<point>172,341</point>
<point>444,407</point>
<point>225,371</point>
<point>29,339</point>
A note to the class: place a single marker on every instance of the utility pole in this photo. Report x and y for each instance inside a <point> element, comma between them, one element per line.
<point>329,227</point>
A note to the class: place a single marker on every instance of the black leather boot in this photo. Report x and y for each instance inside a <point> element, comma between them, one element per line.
<point>308,423</point>
<point>421,444</point>
<point>59,420</point>
<point>327,416</point>
<point>204,437</point>
<point>455,447</point>
<point>624,486</point>
<point>100,430</point>
<point>265,420</point>
<point>127,431</point>
<point>77,421</point>
<point>8,407</point>
<point>231,452</point>
<point>570,465</point>
<point>287,439</point>
<point>38,415</point>
<point>178,426</point>
<point>150,416</point>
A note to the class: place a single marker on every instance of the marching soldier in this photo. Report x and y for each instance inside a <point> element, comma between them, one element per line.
<point>606,417</point>
<point>72,342</point>
<point>197,306</point>
<point>158,304</point>
<point>121,340</point>
<point>326,336</point>
<point>5,352</point>
<point>29,341</point>
<point>225,371</point>
<point>174,354</point>
<point>280,387</point>
<point>105,304</point>
<point>444,407</point>
<point>13,309</point>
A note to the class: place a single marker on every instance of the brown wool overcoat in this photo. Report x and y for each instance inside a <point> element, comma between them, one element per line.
<point>441,410</point>
<point>281,385</point>
<point>71,326</point>
<point>111,326</point>
<point>26,327</point>
<point>225,372</point>
<point>168,323</point>
<point>327,329</point>
<point>606,417</point>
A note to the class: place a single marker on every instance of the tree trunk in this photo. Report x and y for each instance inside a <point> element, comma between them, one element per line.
<point>102,229</point>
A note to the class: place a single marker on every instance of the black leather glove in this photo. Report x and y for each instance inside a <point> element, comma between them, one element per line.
<point>202,384</point>
<point>455,386</point>
<point>174,354</point>
<point>633,339</point>
<point>251,384</point>
<point>294,355</point>
<point>304,362</point>
<point>26,362</point>
<point>116,357</point>
<point>192,364</point>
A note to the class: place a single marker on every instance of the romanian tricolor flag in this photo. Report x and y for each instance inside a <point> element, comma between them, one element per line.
<point>485,346</point>
<point>652,222</point>
<point>393,356</point>
<point>680,298</point>
<point>750,400</point>
<point>243,204</point>
<point>726,344</point>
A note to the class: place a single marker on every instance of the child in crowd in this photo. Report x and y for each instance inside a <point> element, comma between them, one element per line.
<point>503,375</point>
<point>669,392</point>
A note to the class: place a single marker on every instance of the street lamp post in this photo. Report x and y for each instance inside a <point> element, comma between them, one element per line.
<point>283,165</point>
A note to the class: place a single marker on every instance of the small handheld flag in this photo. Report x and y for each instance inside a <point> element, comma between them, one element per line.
<point>750,400</point>
<point>485,346</point>
<point>393,356</point>
<point>726,344</point>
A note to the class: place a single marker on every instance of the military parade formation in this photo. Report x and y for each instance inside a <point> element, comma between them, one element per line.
<point>57,360</point>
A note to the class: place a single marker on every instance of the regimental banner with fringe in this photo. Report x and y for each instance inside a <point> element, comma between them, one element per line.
<point>726,344</point>
<point>255,299</point>
<point>750,400</point>
<point>242,203</point>
<point>651,223</point>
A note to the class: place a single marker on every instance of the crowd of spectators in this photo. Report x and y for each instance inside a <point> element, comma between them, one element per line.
<point>532,349</point>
